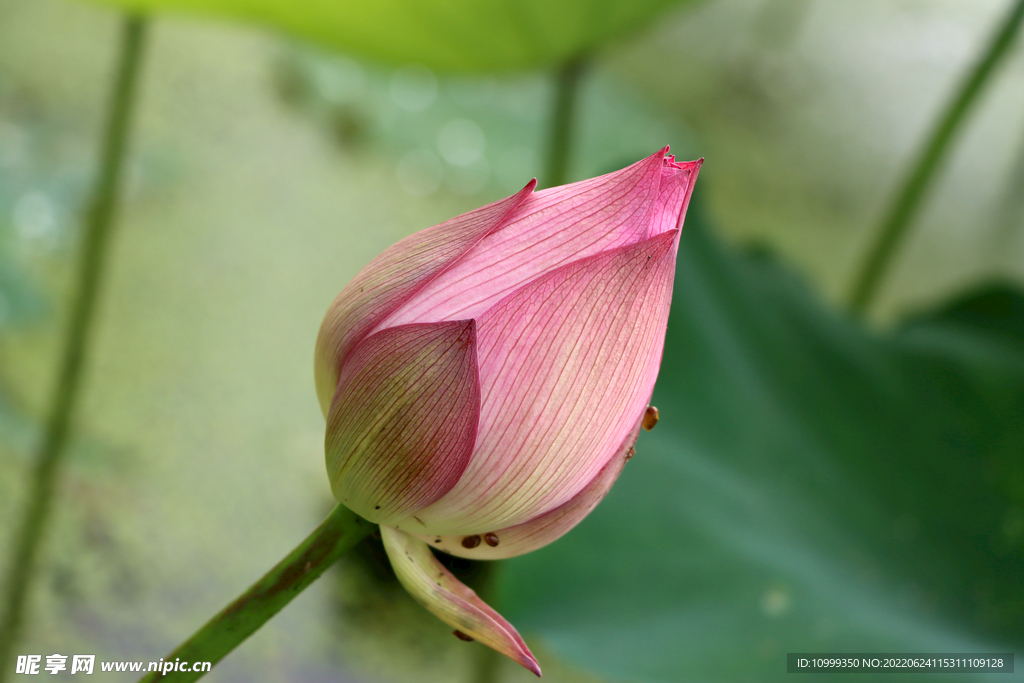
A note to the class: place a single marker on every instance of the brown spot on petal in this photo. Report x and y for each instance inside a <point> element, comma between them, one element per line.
<point>471,541</point>
<point>462,636</point>
<point>630,453</point>
<point>491,539</point>
<point>650,418</point>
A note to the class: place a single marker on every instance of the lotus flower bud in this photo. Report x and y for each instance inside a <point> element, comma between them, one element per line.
<point>484,380</point>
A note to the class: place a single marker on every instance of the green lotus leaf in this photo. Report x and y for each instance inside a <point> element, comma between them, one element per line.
<point>446,35</point>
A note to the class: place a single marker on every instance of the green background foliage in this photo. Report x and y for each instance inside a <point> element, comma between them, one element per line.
<point>449,35</point>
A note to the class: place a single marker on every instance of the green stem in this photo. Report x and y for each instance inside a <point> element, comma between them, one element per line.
<point>487,667</point>
<point>335,536</point>
<point>560,137</point>
<point>98,221</point>
<point>896,222</point>
<point>1009,216</point>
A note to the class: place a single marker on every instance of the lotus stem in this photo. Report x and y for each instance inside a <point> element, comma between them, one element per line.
<point>895,224</point>
<point>98,221</point>
<point>487,664</point>
<point>1009,214</point>
<point>335,536</point>
<point>487,667</point>
<point>567,84</point>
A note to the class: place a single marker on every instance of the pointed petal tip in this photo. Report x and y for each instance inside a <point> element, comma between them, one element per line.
<point>437,589</point>
<point>523,194</point>
<point>526,659</point>
<point>671,162</point>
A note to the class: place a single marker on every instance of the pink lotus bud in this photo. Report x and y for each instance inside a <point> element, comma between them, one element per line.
<point>484,380</point>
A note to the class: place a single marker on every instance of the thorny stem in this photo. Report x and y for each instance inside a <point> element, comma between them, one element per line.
<point>560,137</point>
<point>897,220</point>
<point>335,536</point>
<point>98,222</point>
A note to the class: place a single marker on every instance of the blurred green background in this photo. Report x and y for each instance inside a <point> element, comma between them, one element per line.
<point>815,484</point>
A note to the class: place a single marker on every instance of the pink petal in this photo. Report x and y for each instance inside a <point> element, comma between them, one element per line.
<point>566,363</point>
<point>401,429</point>
<point>550,229</point>
<point>394,276</point>
<point>545,528</point>
<point>451,601</point>
<point>678,178</point>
